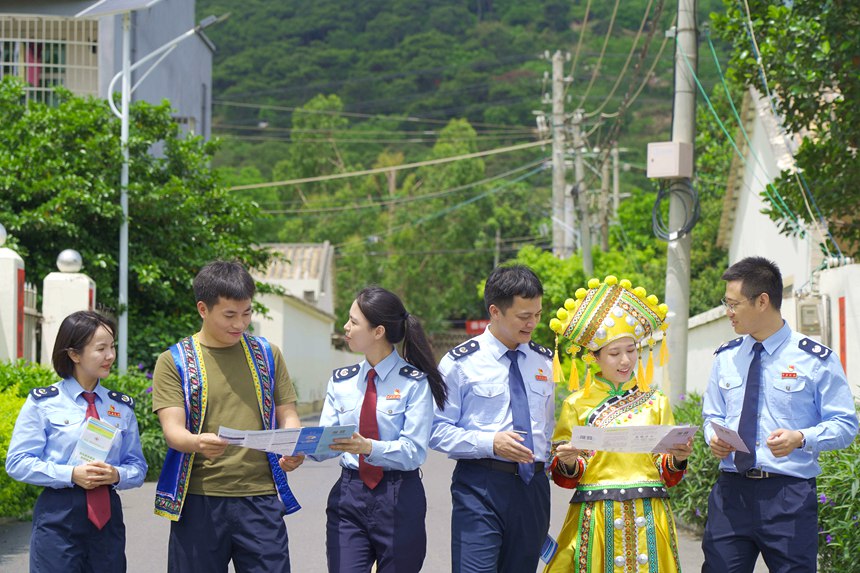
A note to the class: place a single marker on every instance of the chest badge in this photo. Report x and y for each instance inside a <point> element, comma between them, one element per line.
<point>790,373</point>
<point>395,396</point>
<point>113,412</point>
<point>540,375</point>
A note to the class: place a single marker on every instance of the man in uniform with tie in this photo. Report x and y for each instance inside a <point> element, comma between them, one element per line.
<point>787,397</point>
<point>497,425</point>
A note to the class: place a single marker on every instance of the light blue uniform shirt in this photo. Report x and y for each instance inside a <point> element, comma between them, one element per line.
<point>404,412</point>
<point>479,399</point>
<point>48,428</point>
<point>803,388</point>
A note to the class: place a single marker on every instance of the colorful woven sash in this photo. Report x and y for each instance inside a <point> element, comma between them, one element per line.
<point>175,474</point>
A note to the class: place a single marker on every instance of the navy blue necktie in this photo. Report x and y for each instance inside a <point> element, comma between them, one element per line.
<point>520,412</point>
<point>748,425</point>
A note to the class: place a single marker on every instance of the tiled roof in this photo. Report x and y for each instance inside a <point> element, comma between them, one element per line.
<point>299,261</point>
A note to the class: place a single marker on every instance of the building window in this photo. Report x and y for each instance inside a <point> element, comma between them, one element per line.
<point>49,52</point>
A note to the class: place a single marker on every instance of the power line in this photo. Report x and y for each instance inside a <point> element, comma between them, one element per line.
<point>578,47</point>
<point>408,140</point>
<point>409,118</point>
<point>626,62</point>
<point>447,210</point>
<point>402,200</point>
<point>602,51</point>
<point>391,168</point>
<point>352,131</point>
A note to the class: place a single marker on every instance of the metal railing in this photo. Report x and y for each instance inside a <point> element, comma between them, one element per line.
<point>32,323</point>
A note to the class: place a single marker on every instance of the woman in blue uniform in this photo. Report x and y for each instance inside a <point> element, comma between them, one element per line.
<point>376,510</point>
<point>77,520</point>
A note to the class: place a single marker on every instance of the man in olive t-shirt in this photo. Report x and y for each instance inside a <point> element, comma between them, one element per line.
<point>231,510</point>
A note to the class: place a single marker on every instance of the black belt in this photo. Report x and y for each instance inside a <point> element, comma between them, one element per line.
<point>756,473</point>
<point>500,466</point>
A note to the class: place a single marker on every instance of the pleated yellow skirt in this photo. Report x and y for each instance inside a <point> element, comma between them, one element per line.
<point>635,536</point>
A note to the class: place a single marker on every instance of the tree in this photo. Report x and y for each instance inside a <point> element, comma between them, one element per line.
<point>809,53</point>
<point>59,188</point>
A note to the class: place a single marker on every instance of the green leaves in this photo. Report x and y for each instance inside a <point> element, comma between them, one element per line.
<point>59,189</point>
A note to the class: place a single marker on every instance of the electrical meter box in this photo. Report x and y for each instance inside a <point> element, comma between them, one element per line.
<point>813,317</point>
<point>670,160</point>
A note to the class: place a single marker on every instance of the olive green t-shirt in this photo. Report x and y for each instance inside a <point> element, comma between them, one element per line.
<point>232,402</point>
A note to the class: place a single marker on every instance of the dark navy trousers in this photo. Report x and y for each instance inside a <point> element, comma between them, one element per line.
<point>65,541</point>
<point>776,516</point>
<point>384,525</point>
<point>498,522</point>
<point>212,531</point>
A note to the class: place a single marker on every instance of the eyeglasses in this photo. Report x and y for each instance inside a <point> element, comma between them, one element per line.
<point>731,306</point>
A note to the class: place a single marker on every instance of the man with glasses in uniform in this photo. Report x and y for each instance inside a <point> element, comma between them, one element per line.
<point>788,399</point>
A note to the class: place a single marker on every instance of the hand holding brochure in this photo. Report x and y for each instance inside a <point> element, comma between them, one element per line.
<point>95,442</point>
<point>631,439</point>
<point>287,441</point>
<point>730,437</point>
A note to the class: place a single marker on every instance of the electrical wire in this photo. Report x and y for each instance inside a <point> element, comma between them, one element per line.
<point>689,198</point>
<point>391,168</point>
<point>409,118</point>
<point>452,208</point>
<point>596,70</point>
<point>729,138</point>
<point>404,200</point>
<point>769,188</point>
<point>626,62</point>
<point>583,30</point>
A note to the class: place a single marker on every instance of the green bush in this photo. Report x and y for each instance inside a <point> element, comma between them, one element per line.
<point>839,509</point>
<point>838,489</point>
<point>26,376</point>
<point>690,497</point>
<point>16,498</point>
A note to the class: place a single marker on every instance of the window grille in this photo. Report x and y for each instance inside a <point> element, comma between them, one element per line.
<point>49,52</point>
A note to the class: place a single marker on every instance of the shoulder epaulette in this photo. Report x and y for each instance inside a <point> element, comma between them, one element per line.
<point>411,372</point>
<point>464,349</point>
<point>121,398</point>
<point>729,344</point>
<point>345,372</point>
<point>814,348</point>
<point>44,392</point>
<point>540,349</point>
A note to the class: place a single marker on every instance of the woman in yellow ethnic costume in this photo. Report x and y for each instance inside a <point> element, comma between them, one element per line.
<point>619,517</point>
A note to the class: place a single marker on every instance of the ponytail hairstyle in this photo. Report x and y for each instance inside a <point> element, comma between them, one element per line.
<point>382,307</point>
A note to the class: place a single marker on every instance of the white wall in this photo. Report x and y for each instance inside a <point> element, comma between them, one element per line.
<point>304,336</point>
<point>708,331</point>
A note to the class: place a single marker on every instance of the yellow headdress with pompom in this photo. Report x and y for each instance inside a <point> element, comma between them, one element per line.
<point>604,312</point>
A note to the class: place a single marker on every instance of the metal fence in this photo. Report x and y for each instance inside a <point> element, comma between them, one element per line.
<point>32,323</point>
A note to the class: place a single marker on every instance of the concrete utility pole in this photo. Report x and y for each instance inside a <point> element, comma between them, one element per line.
<point>604,203</point>
<point>616,183</point>
<point>678,250</point>
<point>560,235</point>
<point>581,194</point>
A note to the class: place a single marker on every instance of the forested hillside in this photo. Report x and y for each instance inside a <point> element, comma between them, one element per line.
<point>307,89</point>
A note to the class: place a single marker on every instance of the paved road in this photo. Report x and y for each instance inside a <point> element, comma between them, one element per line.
<point>147,534</point>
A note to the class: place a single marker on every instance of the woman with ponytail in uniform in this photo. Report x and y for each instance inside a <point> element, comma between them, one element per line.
<point>375,512</point>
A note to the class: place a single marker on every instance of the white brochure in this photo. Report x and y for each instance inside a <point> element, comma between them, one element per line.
<point>631,439</point>
<point>287,441</point>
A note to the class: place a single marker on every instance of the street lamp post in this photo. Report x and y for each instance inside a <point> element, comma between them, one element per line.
<point>123,115</point>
